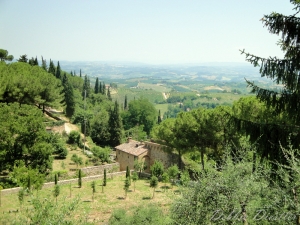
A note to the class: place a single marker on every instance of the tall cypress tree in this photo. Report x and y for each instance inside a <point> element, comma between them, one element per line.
<point>86,87</point>
<point>159,117</point>
<point>97,86</point>
<point>58,71</point>
<point>103,89</point>
<point>51,68</point>
<point>69,98</point>
<point>108,94</point>
<point>125,103</point>
<point>100,88</point>
<point>80,73</point>
<point>36,62</point>
<point>44,64</point>
<point>115,126</point>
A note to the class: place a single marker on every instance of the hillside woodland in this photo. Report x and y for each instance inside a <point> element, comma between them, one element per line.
<point>239,163</point>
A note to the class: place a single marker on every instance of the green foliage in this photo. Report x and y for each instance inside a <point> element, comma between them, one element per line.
<point>74,138</point>
<point>115,126</point>
<point>140,112</point>
<point>4,55</point>
<point>150,214</point>
<point>21,195</point>
<point>23,138</point>
<point>102,153</point>
<point>55,178</point>
<point>68,96</point>
<point>185,177</point>
<point>173,172</point>
<point>58,144</point>
<point>165,178</point>
<point>56,191</point>
<point>77,159</point>
<point>153,183</point>
<point>128,174</point>
<point>139,166</point>
<point>157,169</point>
<point>134,178</point>
<point>93,186</point>
<point>126,186</point>
<point>46,211</point>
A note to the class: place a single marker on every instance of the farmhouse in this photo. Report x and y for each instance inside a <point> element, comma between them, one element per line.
<point>148,152</point>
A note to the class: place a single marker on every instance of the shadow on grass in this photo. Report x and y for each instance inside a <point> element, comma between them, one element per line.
<point>165,187</point>
<point>146,198</point>
<point>120,198</point>
<point>87,200</point>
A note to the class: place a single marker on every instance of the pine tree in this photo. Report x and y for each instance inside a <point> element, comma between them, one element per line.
<point>115,126</point>
<point>97,86</point>
<point>284,102</point>
<point>51,68</point>
<point>58,71</point>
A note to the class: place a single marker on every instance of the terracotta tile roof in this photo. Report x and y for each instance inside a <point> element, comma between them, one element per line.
<point>133,147</point>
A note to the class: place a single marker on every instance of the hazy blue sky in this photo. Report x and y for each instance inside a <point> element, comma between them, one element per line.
<point>151,31</point>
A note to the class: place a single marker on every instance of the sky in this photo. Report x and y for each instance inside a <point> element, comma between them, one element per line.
<point>145,31</point>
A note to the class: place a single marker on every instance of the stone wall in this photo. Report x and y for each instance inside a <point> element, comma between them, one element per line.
<point>161,153</point>
<point>63,182</point>
<point>99,170</point>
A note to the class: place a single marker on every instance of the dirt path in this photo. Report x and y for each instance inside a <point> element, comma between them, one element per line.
<point>70,127</point>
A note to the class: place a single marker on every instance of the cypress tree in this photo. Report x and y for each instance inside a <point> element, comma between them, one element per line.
<point>108,94</point>
<point>97,86</point>
<point>86,87</point>
<point>115,126</point>
<point>58,71</point>
<point>159,117</point>
<point>36,62</point>
<point>51,68</point>
<point>55,178</point>
<point>125,103</point>
<point>100,88</point>
<point>128,175</point>
<point>79,178</point>
<point>69,98</point>
<point>103,89</point>
<point>44,64</point>
<point>80,73</point>
<point>71,73</point>
<point>104,178</point>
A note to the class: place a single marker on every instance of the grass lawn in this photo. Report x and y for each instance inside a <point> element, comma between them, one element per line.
<point>98,210</point>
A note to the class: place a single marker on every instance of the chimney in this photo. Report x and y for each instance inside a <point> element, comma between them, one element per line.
<point>129,139</point>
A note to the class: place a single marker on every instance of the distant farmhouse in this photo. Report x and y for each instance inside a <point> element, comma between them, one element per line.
<point>148,152</point>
